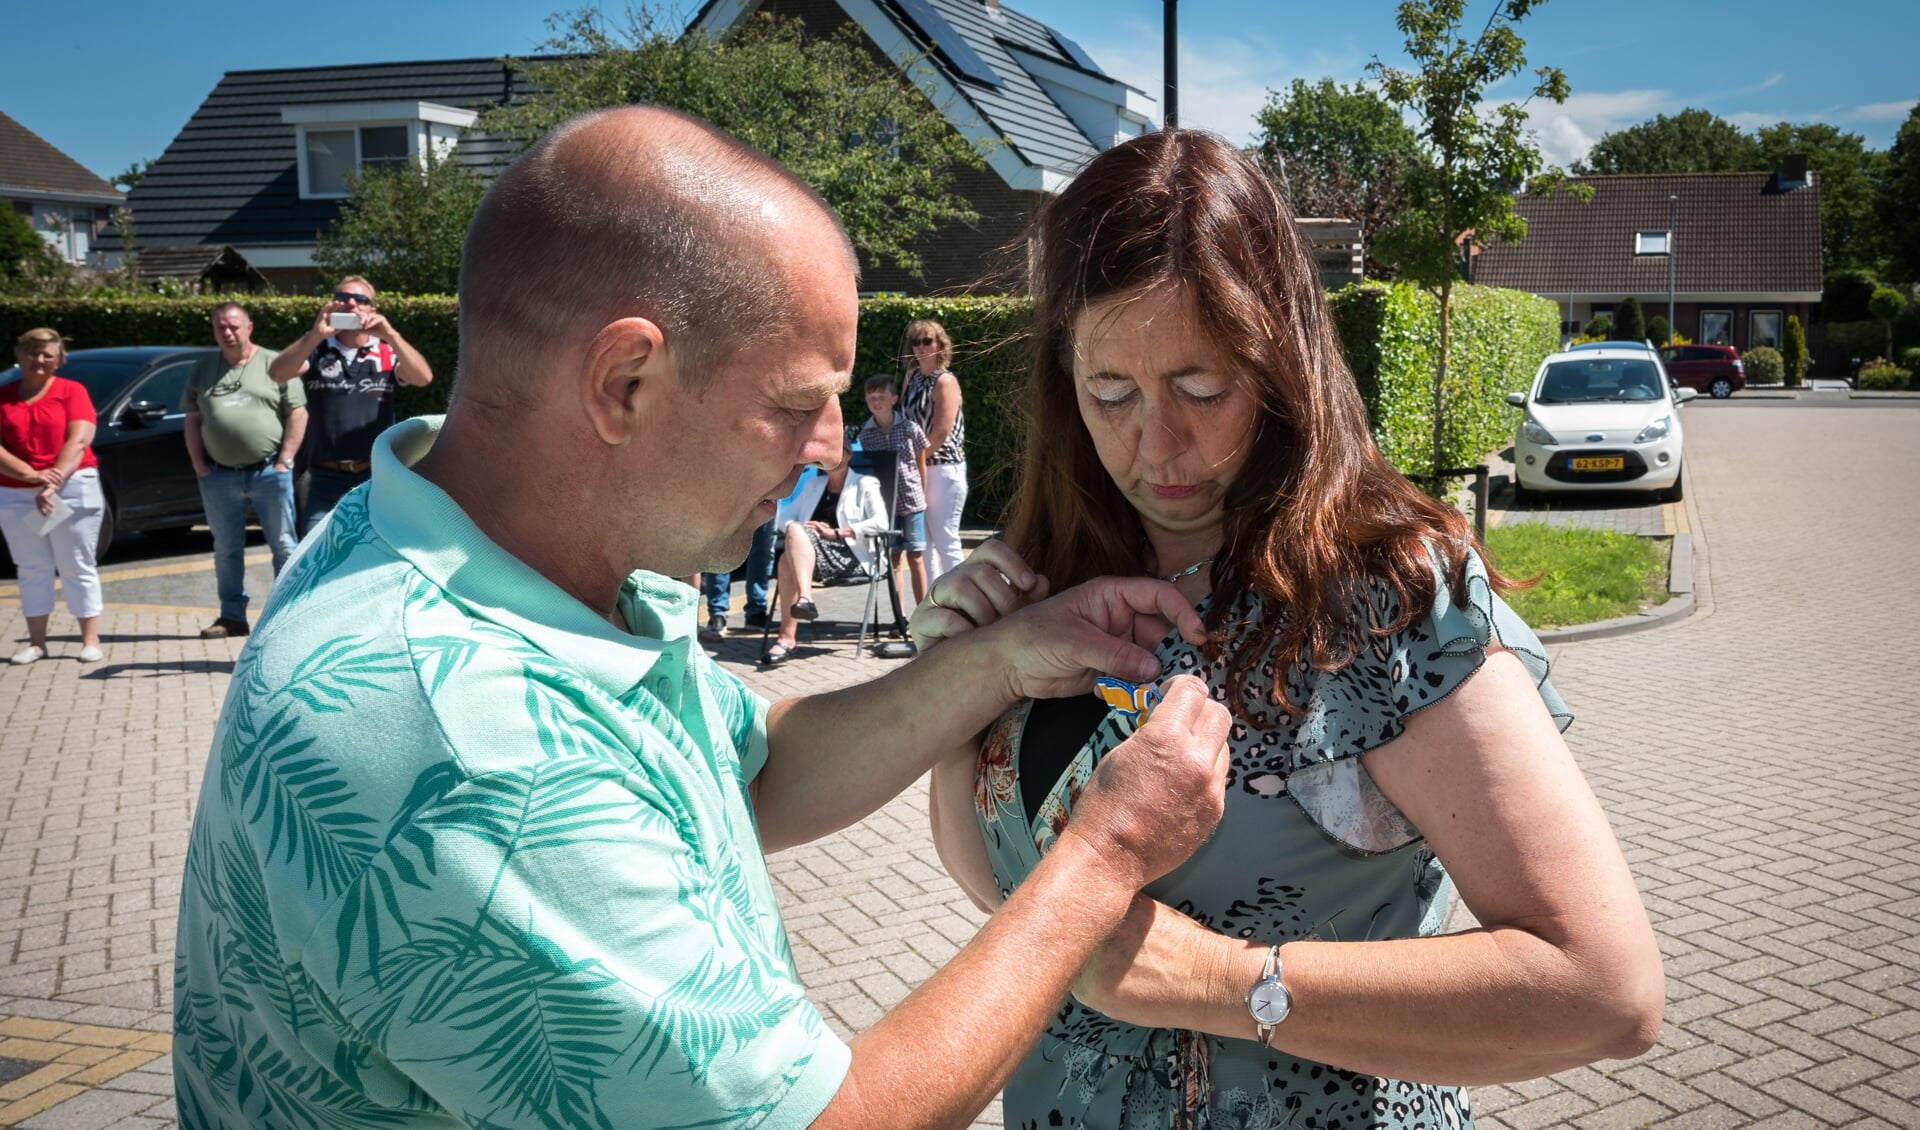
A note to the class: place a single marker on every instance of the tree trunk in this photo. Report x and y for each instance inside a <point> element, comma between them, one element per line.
<point>1440,384</point>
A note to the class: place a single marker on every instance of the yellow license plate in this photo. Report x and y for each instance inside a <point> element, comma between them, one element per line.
<point>1606,463</point>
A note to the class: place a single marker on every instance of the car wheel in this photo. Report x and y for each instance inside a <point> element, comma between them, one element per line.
<point>105,541</point>
<point>1721,388</point>
<point>1676,492</point>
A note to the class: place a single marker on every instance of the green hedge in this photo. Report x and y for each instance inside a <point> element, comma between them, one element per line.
<point>1392,336</point>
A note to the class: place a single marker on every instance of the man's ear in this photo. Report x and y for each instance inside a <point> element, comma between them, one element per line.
<point>624,376</point>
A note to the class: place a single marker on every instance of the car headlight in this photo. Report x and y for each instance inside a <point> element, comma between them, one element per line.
<point>1531,428</point>
<point>1656,430</point>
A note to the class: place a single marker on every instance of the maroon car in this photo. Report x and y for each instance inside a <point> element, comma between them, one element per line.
<point>1713,369</point>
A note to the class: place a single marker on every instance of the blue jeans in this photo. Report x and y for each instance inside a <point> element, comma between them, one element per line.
<point>718,586</point>
<point>325,489</point>
<point>225,496</point>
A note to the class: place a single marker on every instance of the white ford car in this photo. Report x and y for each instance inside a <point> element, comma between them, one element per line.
<point>1599,419</point>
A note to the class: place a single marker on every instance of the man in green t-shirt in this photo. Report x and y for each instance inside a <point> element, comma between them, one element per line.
<point>482,838</point>
<point>243,430</point>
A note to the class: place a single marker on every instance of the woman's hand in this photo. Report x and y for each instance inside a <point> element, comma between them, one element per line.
<point>52,477</point>
<point>44,500</point>
<point>993,582</point>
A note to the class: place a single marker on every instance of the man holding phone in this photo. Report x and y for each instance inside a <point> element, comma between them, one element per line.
<point>351,361</point>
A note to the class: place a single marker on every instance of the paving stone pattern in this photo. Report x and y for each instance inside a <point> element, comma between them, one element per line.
<point>1758,760</point>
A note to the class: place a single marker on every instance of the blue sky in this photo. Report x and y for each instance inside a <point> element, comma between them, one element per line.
<point>116,86</point>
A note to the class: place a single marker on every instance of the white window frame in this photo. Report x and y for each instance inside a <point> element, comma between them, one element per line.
<point>426,124</point>
<point>1655,242</point>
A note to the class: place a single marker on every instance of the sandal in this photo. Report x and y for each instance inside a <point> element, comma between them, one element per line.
<point>778,653</point>
<point>805,610</point>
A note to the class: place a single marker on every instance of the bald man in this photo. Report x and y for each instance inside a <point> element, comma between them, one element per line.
<point>480,840</point>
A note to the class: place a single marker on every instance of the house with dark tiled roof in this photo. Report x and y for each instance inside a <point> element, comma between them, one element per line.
<point>68,204</point>
<point>1034,104</point>
<point>1742,251</point>
<point>259,170</point>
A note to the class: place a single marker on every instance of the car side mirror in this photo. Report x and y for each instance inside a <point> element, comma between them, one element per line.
<point>1517,399</point>
<point>1682,395</point>
<point>142,414</point>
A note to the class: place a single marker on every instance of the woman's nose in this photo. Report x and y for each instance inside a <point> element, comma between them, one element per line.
<point>1162,433</point>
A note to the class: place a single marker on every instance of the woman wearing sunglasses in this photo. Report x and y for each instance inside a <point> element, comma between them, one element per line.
<point>350,361</point>
<point>932,400</point>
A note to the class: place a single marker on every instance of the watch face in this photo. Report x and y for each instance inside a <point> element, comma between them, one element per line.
<point>1269,1002</point>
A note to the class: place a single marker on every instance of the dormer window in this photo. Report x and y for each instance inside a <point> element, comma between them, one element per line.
<point>335,140</point>
<point>1651,243</point>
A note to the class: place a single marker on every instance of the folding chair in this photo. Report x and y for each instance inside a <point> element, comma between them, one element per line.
<point>884,466</point>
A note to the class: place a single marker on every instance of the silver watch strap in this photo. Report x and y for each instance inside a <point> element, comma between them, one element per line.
<point>1268,969</point>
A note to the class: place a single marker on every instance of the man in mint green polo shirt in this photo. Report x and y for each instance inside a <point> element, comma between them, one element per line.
<point>243,431</point>
<point>481,836</point>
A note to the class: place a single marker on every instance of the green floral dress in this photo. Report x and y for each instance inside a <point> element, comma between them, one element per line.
<point>1308,848</point>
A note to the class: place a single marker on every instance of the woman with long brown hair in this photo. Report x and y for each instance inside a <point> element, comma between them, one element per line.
<point>1395,736</point>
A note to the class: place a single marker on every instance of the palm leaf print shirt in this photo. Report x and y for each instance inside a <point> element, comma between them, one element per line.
<point>467,855</point>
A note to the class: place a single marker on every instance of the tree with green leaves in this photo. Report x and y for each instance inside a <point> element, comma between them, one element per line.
<point>27,264</point>
<point>1886,305</point>
<point>1692,141</point>
<point>1849,176</point>
<point>132,175</point>
<point>1658,331</point>
<point>1474,157</point>
<point>1898,201</point>
<point>1336,150</point>
<point>844,120</point>
<point>1629,321</point>
<point>1793,351</point>
<point>404,225</point>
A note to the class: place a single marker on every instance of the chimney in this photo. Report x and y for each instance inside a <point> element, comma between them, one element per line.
<point>992,5</point>
<point>1793,168</point>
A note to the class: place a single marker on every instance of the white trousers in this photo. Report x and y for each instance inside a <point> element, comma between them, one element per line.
<point>67,549</point>
<point>946,496</point>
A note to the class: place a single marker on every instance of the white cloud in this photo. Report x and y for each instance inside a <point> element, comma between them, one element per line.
<point>1567,131</point>
<point>1880,111</point>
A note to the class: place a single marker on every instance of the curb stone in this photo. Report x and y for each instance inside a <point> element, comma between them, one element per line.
<point>1680,603</point>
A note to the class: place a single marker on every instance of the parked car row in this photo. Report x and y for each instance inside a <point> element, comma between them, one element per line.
<point>145,472</point>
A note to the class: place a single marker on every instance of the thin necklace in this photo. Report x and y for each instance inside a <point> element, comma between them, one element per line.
<point>1190,570</point>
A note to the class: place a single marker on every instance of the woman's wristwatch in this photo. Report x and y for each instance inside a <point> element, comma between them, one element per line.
<point>1268,1000</point>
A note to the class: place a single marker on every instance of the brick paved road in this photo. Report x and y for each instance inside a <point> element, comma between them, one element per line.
<point>1758,759</point>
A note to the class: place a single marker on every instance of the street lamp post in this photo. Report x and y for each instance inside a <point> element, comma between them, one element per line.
<point>1169,62</point>
<point>1673,204</point>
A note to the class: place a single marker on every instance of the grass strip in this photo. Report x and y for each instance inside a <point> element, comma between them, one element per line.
<point>1584,575</point>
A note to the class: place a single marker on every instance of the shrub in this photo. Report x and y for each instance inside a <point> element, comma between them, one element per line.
<point>1658,331</point>
<point>1764,366</point>
<point>1392,338</point>
<point>1793,351</point>
<point>1599,328</point>
<point>1910,358</point>
<point>1629,324</point>
<point>1880,373</point>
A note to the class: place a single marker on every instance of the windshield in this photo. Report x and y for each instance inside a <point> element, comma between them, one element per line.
<point>1599,378</point>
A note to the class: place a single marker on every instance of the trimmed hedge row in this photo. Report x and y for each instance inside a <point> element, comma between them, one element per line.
<point>1391,335</point>
<point>1392,338</point>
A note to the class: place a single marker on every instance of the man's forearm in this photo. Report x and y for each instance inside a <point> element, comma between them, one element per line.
<point>293,435</point>
<point>979,1014</point>
<point>293,358</point>
<point>834,758</point>
<point>409,366</point>
<point>196,450</point>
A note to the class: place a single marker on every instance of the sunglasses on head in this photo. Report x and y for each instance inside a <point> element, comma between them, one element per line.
<point>925,341</point>
<point>351,298</point>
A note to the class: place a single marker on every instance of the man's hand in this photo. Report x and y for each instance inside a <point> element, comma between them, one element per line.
<point>202,470</point>
<point>372,322</point>
<point>1109,626</point>
<point>1157,796</point>
<point>322,329</point>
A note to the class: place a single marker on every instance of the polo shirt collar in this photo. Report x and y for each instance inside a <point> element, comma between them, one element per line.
<point>425,526</point>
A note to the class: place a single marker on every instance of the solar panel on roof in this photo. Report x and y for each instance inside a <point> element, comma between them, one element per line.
<point>1080,58</point>
<point>946,40</point>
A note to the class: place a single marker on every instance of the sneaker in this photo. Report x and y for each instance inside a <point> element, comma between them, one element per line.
<point>222,628</point>
<point>715,630</point>
<point>756,618</point>
<point>28,654</point>
<point>91,654</point>
<point>805,610</point>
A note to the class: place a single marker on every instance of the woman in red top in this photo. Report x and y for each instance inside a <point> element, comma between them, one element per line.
<point>50,498</point>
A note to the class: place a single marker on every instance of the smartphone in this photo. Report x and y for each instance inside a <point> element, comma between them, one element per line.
<point>345,321</point>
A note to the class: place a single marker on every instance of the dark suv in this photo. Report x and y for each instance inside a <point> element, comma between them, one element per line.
<point>145,473</point>
<point>1713,369</point>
